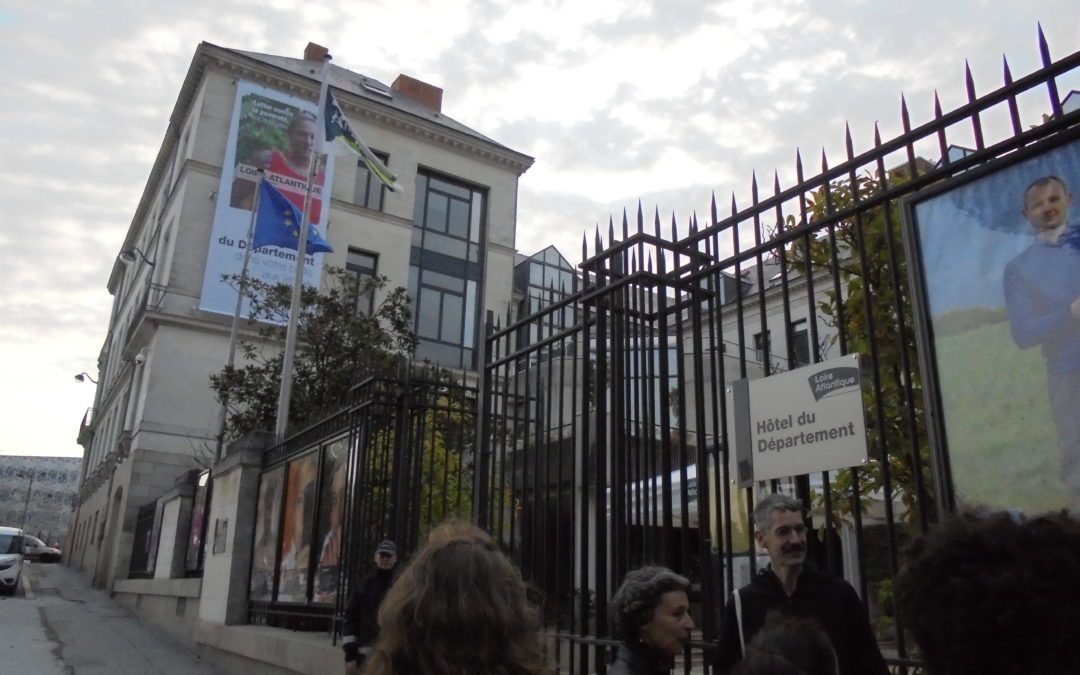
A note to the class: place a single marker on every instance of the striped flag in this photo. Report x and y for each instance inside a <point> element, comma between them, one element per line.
<point>338,129</point>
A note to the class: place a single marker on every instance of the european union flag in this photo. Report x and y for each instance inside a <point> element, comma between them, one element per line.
<point>277,223</point>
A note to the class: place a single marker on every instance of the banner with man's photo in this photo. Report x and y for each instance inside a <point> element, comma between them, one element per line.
<point>274,132</point>
<point>995,255</point>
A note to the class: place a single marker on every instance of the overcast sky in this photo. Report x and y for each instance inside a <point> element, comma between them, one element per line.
<point>618,101</point>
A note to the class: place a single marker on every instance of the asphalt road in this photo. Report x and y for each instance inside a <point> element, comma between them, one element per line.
<point>57,625</point>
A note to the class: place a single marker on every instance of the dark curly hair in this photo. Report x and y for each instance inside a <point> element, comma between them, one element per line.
<point>995,595</point>
<point>638,597</point>
<point>789,645</point>
<point>458,608</point>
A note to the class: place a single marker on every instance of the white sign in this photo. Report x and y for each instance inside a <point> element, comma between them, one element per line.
<point>275,132</point>
<point>805,421</point>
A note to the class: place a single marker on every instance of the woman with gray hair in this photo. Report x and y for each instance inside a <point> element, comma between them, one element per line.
<point>651,614</point>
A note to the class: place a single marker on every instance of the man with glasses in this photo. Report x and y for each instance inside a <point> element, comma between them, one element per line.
<point>361,625</point>
<point>793,586</point>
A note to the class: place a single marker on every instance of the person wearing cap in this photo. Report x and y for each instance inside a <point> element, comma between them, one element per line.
<point>361,626</point>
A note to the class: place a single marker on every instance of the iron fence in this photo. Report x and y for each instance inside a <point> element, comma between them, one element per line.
<point>608,430</point>
<point>397,459</point>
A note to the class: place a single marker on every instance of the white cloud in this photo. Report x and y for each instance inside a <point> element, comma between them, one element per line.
<point>619,100</point>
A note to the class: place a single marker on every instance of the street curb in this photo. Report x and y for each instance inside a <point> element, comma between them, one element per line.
<point>28,592</point>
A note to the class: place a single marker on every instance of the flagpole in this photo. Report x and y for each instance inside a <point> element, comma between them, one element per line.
<point>289,357</point>
<point>235,329</point>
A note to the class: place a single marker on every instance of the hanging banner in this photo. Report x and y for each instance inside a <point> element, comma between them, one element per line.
<point>804,421</point>
<point>274,132</point>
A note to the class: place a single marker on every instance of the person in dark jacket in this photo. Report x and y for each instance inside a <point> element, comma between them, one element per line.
<point>651,615</point>
<point>361,626</point>
<point>995,594</point>
<point>791,585</point>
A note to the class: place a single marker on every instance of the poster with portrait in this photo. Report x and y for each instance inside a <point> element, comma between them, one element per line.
<point>331,515</point>
<point>197,531</point>
<point>275,132</point>
<point>297,528</point>
<point>995,256</point>
<point>267,519</point>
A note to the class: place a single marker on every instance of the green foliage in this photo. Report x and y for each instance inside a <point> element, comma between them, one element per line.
<point>866,308</point>
<point>337,346</point>
<point>263,122</point>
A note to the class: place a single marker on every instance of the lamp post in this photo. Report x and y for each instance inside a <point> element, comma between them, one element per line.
<point>84,376</point>
<point>128,256</point>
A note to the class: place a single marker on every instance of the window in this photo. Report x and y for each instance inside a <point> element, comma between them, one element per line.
<point>363,264</point>
<point>799,344</point>
<point>446,268</point>
<point>369,190</point>
<point>762,344</point>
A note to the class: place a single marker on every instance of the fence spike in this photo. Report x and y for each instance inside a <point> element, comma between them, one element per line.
<point>625,227</point>
<point>943,146</point>
<point>661,264</point>
<point>798,166</point>
<point>597,244</point>
<point>824,161</point>
<point>1014,112</point>
<point>976,123</point>
<point>937,105</point>
<point>584,247</point>
<point>656,223</point>
<point>877,135</point>
<point>1044,47</point>
<point>648,263</point>
<point>753,188</point>
<point>674,228</point>
<point>849,146</point>
<point>712,208</point>
<point>776,182</point>
<point>611,230</point>
<point>1051,83</point>
<point>734,208</point>
<point>640,218</point>
<point>905,116</point>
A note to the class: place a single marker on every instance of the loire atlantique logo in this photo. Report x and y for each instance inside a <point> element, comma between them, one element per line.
<point>833,381</point>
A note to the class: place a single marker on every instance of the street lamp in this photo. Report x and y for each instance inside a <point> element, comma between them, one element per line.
<point>84,376</point>
<point>128,256</point>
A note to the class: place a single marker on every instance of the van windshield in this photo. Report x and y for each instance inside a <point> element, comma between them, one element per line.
<point>10,543</point>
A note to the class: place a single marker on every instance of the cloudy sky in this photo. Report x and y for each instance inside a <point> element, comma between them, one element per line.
<point>662,101</point>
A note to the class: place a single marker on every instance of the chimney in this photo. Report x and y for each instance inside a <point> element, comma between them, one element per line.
<point>314,52</point>
<point>421,92</point>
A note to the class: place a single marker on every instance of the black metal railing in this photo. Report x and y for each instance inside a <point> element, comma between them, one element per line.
<point>612,435</point>
<point>395,461</point>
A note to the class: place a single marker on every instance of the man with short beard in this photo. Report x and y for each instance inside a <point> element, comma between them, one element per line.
<point>1042,295</point>
<point>793,586</point>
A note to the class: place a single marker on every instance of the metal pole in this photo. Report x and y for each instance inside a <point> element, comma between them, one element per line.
<point>298,280</point>
<point>234,330</point>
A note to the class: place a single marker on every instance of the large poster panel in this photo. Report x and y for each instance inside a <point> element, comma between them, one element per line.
<point>267,519</point>
<point>1000,268</point>
<point>275,132</point>
<point>331,514</point>
<point>297,528</point>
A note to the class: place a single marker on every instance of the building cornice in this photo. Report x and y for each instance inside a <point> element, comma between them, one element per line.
<point>245,67</point>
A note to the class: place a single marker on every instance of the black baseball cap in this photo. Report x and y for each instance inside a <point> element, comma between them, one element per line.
<point>386,546</point>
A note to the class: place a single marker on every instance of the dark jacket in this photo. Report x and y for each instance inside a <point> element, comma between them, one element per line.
<point>830,601</point>
<point>361,625</point>
<point>635,659</point>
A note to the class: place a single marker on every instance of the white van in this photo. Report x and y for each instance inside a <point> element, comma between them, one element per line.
<point>11,558</point>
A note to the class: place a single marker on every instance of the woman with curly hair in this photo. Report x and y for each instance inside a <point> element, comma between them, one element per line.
<point>460,607</point>
<point>651,613</point>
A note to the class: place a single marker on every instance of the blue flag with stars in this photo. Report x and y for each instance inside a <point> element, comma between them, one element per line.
<point>278,223</point>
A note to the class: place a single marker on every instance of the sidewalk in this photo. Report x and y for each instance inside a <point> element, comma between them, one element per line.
<point>63,626</point>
